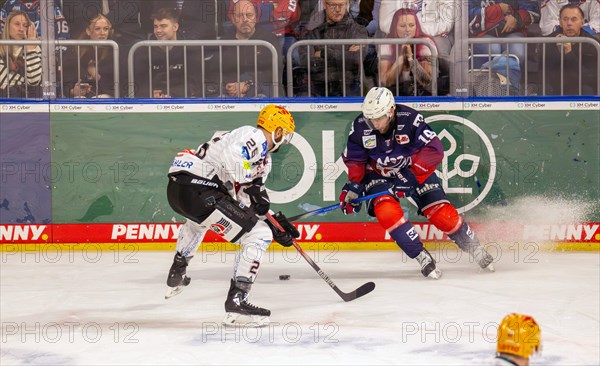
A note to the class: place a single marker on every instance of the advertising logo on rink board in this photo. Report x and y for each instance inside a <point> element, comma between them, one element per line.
<point>468,168</point>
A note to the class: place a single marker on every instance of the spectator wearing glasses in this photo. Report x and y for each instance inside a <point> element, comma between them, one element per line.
<point>20,66</point>
<point>343,62</point>
<point>248,83</point>
<point>280,17</point>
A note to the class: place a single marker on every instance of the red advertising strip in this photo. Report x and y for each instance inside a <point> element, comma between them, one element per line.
<point>588,232</point>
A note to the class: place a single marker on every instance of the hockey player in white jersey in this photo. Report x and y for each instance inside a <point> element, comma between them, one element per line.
<point>220,187</point>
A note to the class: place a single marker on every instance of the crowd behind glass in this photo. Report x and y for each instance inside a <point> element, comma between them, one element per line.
<point>420,32</point>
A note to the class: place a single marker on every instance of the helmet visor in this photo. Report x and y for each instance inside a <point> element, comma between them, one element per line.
<point>286,138</point>
<point>379,123</point>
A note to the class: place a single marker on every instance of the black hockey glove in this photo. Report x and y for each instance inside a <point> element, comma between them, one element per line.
<point>351,191</point>
<point>258,197</point>
<point>405,183</point>
<point>286,237</point>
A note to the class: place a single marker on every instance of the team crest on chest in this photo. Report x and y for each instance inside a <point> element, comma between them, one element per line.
<point>402,139</point>
<point>369,142</point>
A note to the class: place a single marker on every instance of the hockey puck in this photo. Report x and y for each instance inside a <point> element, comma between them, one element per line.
<point>284,277</point>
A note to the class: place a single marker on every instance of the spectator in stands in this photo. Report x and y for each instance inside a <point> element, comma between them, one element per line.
<point>549,10</point>
<point>20,66</point>
<point>571,24</point>
<point>343,62</point>
<point>282,18</point>
<point>498,19</point>
<point>32,8</point>
<point>198,18</point>
<point>279,16</point>
<point>366,13</point>
<point>89,70</point>
<point>436,18</point>
<point>248,83</point>
<point>124,15</point>
<point>177,78</point>
<point>402,65</point>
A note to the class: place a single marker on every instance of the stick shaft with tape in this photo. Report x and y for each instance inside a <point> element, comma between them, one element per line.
<point>336,206</point>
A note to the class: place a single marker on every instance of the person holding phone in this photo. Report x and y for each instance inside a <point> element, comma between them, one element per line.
<point>89,69</point>
<point>20,66</point>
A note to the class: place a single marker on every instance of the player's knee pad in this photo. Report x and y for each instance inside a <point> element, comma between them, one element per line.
<point>391,216</point>
<point>254,245</point>
<point>260,236</point>
<point>190,237</point>
<point>388,212</point>
<point>445,217</point>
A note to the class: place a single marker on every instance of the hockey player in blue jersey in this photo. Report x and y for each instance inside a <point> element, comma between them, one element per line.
<point>32,8</point>
<point>391,148</point>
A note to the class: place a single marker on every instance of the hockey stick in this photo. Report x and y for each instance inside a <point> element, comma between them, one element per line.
<point>349,296</point>
<point>333,207</point>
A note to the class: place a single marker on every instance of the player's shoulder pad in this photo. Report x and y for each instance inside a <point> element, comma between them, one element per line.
<point>405,112</point>
<point>359,126</point>
<point>253,141</point>
<point>406,117</point>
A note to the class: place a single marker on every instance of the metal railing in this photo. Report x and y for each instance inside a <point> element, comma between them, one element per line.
<point>12,42</point>
<point>202,44</point>
<point>540,40</point>
<point>95,44</point>
<point>528,42</point>
<point>347,42</point>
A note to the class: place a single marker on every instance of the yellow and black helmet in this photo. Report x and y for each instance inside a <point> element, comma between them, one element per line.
<point>272,117</point>
<point>519,335</point>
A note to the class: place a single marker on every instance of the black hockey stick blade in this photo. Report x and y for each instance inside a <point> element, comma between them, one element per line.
<point>359,292</point>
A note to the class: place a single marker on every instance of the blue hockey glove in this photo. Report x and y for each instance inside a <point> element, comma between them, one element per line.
<point>405,183</point>
<point>351,191</point>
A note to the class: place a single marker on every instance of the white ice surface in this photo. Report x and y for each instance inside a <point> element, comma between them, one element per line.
<point>108,308</point>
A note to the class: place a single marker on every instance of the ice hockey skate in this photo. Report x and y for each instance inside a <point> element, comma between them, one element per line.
<point>241,312</point>
<point>428,267</point>
<point>467,241</point>
<point>483,258</point>
<point>177,279</point>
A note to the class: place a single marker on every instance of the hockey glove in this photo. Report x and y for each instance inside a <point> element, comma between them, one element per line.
<point>351,190</point>
<point>405,183</point>
<point>258,197</point>
<point>286,237</point>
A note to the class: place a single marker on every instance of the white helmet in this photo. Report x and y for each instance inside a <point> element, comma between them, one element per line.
<point>378,102</point>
